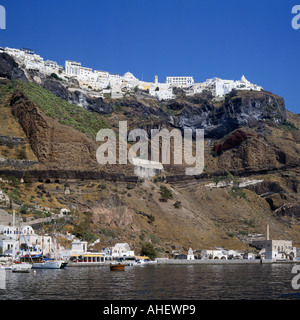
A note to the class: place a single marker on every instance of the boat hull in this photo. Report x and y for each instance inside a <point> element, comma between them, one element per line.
<point>117,267</point>
<point>3,267</point>
<point>21,268</point>
<point>49,265</point>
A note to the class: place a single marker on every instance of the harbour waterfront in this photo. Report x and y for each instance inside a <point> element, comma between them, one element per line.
<point>153,282</point>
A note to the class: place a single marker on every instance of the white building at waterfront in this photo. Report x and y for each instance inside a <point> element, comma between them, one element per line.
<point>190,255</point>
<point>277,249</point>
<point>214,254</point>
<point>13,241</point>
<point>121,250</point>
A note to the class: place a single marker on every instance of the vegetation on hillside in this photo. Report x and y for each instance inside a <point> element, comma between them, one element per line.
<point>67,113</point>
<point>54,107</point>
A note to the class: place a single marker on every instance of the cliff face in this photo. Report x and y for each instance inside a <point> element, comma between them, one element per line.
<point>246,134</point>
<point>257,149</point>
<point>62,151</point>
<point>55,145</point>
<point>240,109</point>
<point>77,98</point>
<point>258,144</point>
<point>10,69</point>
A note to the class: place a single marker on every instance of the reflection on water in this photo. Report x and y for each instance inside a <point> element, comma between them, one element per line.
<point>202,282</point>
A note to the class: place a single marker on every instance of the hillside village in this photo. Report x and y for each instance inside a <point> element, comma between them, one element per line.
<point>125,209</point>
<point>99,83</point>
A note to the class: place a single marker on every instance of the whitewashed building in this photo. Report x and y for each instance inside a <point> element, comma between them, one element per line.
<point>121,250</point>
<point>180,81</point>
<point>79,246</point>
<point>214,254</point>
<point>72,68</point>
<point>277,249</point>
<point>220,87</point>
<point>161,91</point>
<point>190,255</point>
<point>98,80</point>
<point>50,67</point>
<point>130,81</point>
<point>10,238</point>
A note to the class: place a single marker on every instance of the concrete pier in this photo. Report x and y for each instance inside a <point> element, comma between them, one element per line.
<point>182,262</point>
<point>219,262</point>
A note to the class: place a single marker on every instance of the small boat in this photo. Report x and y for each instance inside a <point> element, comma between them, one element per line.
<point>21,268</point>
<point>50,264</point>
<point>142,261</point>
<point>5,267</point>
<point>117,267</point>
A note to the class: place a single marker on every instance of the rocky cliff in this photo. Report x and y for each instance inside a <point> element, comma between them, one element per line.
<point>77,97</point>
<point>10,69</point>
<point>248,135</point>
<point>239,109</point>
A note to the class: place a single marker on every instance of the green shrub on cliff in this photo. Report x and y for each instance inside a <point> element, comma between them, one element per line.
<point>66,113</point>
<point>165,194</point>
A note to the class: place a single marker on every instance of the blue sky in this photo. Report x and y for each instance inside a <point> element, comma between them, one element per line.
<point>195,38</point>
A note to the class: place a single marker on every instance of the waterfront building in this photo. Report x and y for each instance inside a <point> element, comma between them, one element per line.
<point>190,255</point>
<point>121,250</point>
<point>180,256</point>
<point>79,254</point>
<point>249,256</point>
<point>214,254</point>
<point>24,241</point>
<point>79,246</point>
<point>277,249</point>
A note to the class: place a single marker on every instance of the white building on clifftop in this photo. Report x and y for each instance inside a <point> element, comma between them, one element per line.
<point>118,86</point>
<point>220,87</point>
<point>180,81</point>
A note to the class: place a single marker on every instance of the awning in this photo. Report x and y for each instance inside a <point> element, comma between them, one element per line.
<point>31,256</point>
<point>144,258</point>
<point>91,255</point>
